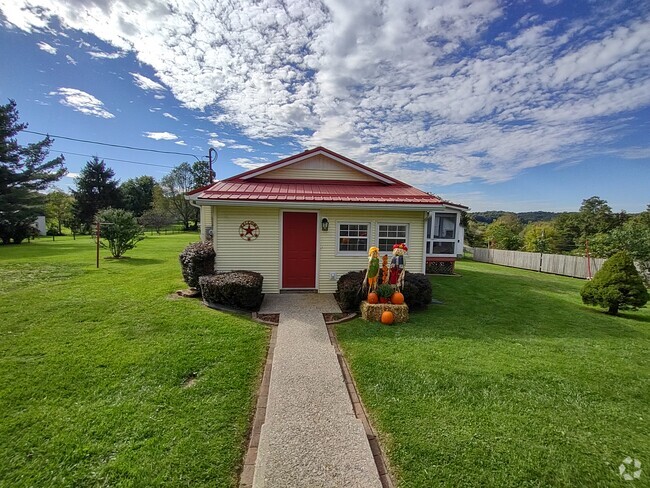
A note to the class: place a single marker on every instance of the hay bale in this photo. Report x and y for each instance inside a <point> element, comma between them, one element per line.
<point>372,311</point>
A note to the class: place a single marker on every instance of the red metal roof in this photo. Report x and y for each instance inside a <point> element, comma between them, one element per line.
<point>258,189</point>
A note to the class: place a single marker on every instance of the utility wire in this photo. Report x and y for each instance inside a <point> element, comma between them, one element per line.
<point>111,145</point>
<point>114,159</point>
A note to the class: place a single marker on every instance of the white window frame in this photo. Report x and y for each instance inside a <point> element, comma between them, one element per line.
<point>408,233</point>
<point>428,241</point>
<point>352,253</point>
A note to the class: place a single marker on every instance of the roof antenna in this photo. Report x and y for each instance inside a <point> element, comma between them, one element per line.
<point>212,173</point>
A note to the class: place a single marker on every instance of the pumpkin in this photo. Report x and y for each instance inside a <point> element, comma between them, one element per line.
<point>387,317</point>
<point>397,298</point>
<point>373,297</point>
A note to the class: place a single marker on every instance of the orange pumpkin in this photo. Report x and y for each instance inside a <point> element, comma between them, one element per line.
<point>387,317</point>
<point>372,297</point>
<point>397,298</point>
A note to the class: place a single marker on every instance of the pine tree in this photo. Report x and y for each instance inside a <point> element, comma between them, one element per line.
<point>96,190</point>
<point>23,174</point>
<point>616,286</point>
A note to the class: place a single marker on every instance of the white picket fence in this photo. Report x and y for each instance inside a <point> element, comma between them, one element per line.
<point>559,264</point>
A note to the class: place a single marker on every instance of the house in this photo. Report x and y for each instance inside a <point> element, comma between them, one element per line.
<point>304,221</point>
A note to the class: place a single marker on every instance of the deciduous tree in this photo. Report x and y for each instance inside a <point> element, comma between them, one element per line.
<point>175,185</point>
<point>58,208</point>
<point>137,194</point>
<point>121,231</point>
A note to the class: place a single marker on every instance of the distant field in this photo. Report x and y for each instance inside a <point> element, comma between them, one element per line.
<point>94,364</point>
<point>512,382</point>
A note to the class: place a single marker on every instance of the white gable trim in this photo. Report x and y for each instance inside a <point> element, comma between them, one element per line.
<point>322,153</point>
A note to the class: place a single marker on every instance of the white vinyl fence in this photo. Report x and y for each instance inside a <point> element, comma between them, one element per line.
<point>559,264</point>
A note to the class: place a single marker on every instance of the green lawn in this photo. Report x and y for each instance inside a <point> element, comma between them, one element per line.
<point>93,364</point>
<point>512,382</point>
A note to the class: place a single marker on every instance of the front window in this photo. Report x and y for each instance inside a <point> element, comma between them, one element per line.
<point>353,238</point>
<point>391,234</point>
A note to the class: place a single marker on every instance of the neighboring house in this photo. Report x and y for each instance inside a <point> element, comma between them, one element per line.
<point>39,223</point>
<point>304,221</point>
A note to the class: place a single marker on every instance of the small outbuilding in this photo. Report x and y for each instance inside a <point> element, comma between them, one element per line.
<point>307,219</point>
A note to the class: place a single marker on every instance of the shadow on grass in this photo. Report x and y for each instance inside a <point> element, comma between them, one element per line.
<point>131,261</point>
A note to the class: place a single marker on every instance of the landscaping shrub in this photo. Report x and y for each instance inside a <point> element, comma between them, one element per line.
<point>417,290</point>
<point>120,229</point>
<point>616,286</point>
<point>348,290</point>
<point>197,260</point>
<point>237,289</point>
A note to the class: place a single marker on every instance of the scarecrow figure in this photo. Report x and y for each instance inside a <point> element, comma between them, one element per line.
<point>397,263</point>
<point>373,269</point>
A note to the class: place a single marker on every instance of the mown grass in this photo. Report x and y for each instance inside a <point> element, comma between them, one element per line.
<point>512,382</point>
<point>92,367</point>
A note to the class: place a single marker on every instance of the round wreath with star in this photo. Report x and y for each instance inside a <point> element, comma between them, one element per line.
<point>249,230</point>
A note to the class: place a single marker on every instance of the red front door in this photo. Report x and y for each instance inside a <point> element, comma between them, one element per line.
<point>299,249</point>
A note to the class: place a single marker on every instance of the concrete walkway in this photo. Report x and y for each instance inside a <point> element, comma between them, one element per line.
<point>311,437</point>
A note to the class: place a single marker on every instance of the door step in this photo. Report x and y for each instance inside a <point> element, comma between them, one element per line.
<point>298,290</point>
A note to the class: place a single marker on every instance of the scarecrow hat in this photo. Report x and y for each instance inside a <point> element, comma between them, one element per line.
<point>401,246</point>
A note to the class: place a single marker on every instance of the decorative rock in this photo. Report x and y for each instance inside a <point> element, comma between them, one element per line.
<point>372,312</point>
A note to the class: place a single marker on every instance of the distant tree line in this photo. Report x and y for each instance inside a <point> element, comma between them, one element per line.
<point>25,177</point>
<point>594,225</point>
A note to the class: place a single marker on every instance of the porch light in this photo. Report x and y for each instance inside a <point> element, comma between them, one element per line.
<point>324,224</point>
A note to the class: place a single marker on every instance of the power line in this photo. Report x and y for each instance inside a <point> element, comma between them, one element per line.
<point>111,145</point>
<point>114,159</point>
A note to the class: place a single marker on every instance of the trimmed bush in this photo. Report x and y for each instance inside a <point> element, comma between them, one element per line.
<point>236,289</point>
<point>197,260</point>
<point>417,290</point>
<point>348,290</point>
<point>616,286</point>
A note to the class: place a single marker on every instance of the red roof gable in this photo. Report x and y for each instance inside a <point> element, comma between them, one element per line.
<point>252,187</point>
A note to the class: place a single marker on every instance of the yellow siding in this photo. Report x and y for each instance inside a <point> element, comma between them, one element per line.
<point>318,167</point>
<point>330,262</point>
<point>206,220</point>
<point>261,255</point>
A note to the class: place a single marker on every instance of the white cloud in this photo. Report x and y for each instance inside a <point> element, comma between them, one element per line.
<point>159,97</point>
<point>145,83</point>
<point>161,136</point>
<point>169,116</point>
<point>247,163</point>
<point>105,55</point>
<point>70,60</point>
<point>181,143</point>
<point>71,174</point>
<point>244,147</point>
<point>415,88</point>
<point>44,46</point>
<point>82,102</point>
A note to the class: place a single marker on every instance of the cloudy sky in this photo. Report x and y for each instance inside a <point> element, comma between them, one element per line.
<point>517,105</point>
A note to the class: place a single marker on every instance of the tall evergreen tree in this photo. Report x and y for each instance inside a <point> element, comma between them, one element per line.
<point>96,189</point>
<point>23,173</point>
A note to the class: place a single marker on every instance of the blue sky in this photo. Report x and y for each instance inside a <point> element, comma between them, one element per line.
<point>518,105</point>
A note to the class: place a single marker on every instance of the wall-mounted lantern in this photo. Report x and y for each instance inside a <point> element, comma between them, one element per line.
<point>324,224</point>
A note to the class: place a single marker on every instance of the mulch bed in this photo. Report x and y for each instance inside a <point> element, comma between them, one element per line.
<point>267,318</point>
